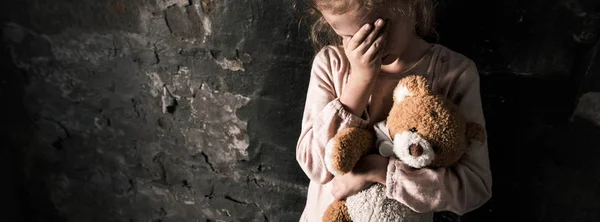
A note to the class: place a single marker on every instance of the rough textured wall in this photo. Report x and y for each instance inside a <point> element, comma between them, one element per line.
<point>84,84</point>
<point>95,142</point>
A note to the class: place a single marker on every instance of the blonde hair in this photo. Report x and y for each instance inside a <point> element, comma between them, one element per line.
<point>322,34</point>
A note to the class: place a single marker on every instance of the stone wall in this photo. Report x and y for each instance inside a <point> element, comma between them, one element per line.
<point>173,110</point>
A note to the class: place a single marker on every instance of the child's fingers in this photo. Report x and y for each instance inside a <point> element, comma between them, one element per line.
<point>384,36</point>
<point>376,47</point>
<point>359,37</point>
<point>379,25</point>
<point>379,42</point>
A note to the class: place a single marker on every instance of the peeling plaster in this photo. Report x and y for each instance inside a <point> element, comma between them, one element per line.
<point>182,84</point>
<point>156,83</point>
<point>206,23</point>
<point>233,65</point>
<point>163,4</point>
<point>218,132</point>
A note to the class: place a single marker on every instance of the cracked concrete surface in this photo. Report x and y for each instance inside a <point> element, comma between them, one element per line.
<point>101,148</point>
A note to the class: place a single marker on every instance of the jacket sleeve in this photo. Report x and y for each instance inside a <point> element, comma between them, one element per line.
<point>323,116</point>
<point>461,188</point>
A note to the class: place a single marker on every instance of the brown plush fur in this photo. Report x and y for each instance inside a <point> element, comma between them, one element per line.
<point>337,212</point>
<point>349,146</point>
<point>435,119</point>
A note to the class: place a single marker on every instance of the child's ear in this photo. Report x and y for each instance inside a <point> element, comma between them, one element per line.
<point>412,85</point>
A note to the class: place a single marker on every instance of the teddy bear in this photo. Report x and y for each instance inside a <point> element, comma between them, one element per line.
<point>427,131</point>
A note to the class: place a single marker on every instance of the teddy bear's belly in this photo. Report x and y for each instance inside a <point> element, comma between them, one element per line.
<point>372,205</point>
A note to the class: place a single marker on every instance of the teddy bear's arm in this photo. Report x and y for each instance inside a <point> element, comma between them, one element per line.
<point>346,148</point>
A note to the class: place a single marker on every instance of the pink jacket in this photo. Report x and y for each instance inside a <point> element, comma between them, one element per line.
<point>460,189</point>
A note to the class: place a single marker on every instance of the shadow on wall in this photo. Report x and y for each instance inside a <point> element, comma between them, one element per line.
<point>15,133</point>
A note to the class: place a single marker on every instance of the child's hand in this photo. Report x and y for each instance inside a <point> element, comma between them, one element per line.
<point>364,50</point>
<point>370,169</point>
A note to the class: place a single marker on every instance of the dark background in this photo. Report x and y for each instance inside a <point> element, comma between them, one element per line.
<point>84,137</point>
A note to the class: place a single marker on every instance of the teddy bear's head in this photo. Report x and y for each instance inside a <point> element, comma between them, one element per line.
<point>427,129</point>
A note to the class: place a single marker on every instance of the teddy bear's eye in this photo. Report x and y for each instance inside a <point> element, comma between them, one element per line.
<point>435,149</point>
<point>413,130</point>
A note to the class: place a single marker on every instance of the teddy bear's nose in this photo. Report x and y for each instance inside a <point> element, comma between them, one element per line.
<point>415,150</point>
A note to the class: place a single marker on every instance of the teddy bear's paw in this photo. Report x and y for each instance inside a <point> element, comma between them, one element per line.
<point>332,160</point>
<point>346,148</point>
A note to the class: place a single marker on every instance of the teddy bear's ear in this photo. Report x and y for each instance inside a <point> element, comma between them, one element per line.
<point>412,85</point>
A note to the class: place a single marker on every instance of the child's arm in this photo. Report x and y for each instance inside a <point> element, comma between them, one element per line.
<point>461,188</point>
<point>324,115</point>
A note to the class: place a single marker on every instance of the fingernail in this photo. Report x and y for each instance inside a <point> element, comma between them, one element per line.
<point>379,21</point>
<point>367,27</point>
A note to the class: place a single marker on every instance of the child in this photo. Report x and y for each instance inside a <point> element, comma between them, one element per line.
<point>365,47</point>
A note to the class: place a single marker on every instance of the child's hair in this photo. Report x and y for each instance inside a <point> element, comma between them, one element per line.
<point>322,34</point>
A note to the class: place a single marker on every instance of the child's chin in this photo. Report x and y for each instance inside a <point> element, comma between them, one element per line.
<point>388,59</point>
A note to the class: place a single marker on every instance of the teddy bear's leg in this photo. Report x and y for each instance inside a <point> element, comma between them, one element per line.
<point>337,212</point>
<point>346,148</point>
